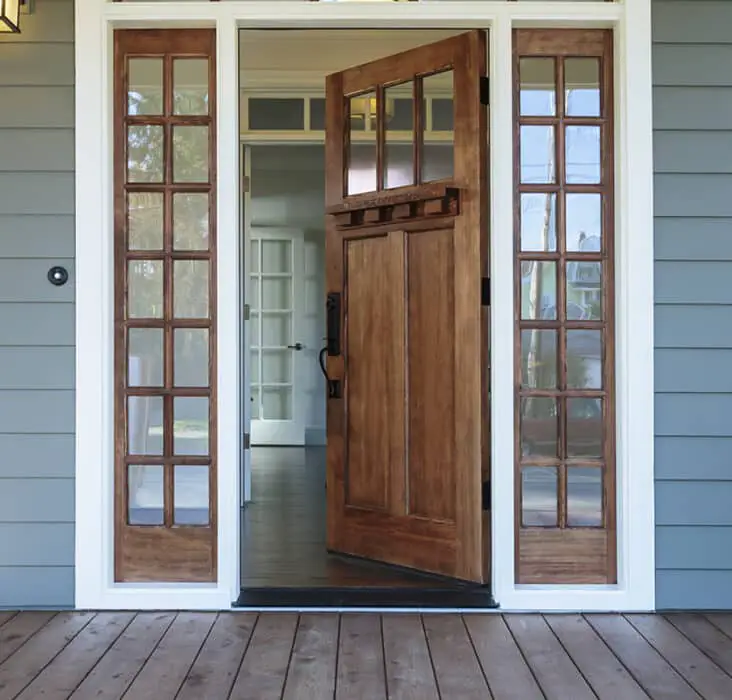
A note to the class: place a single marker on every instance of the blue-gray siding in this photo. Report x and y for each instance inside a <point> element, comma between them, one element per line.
<point>692,77</point>
<point>37,319</point>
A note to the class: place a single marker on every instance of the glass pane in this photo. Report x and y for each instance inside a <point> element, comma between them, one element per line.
<point>539,359</point>
<point>276,330</point>
<point>538,154</point>
<point>539,427</point>
<point>538,222</point>
<point>190,221</point>
<point>145,425</point>
<point>317,114</point>
<point>254,329</point>
<point>362,149</point>
<point>582,150</point>
<point>538,87</point>
<point>145,357</point>
<point>584,359</point>
<point>256,407</point>
<point>584,222</point>
<point>190,86</point>
<point>277,403</point>
<point>145,289</point>
<point>145,86</point>
<point>254,260</point>
<point>443,114</point>
<point>584,291</point>
<point>276,366</point>
<point>584,428</point>
<point>190,153</point>
<point>190,425</point>
<point>398,154</point>
<point>190,289</point>
<point>254,368</point>
<point>584,496</point>
<point>254,292</point>
<point>582,87</point>
<point>538,290</point>
<point>190,500</point>
<point>145,221</point>
<point>276,293</point>
<point>438,157</point>
<point>539,497</point>
<point>190,357</point>
<point>399,113</point>
<point>276,113</point>
<point>276,256</point>
<point>145,494</point>
<point>145,153</point>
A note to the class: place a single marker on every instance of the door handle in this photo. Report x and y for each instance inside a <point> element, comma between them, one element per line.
<point>334,385</point>
<point>333,323</point>
<point>296,346</point>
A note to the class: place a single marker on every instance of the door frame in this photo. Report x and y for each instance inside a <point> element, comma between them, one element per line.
<point>94,25</point>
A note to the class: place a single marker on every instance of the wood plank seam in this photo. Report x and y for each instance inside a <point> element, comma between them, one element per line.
<point>337,655</point>
<point>429,654</point>
<point>669,619</point>
<point>383,658</point>
<point>292,651</point>
<point>197,654</point>
<point>571,657</point>
<point>710,620</point>
<point>477,656</point>
<point>243,656</point>
<point>29,637</point>
<point>523,656</point>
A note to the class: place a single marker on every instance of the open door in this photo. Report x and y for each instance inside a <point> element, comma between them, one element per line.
<point>406,256</point>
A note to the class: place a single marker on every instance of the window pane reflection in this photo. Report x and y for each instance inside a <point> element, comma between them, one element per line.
<point>190,501</point>
<point>582,147</point>
<point>582,87</point>
<point>362,111</point>
<point>539,427</point>
<point>538,290</point>
<point>145,494</point>
<point>584,359</point>
<point>190,425</point>
<point>145,425</point>
<point>539,497</point>
<point>538,158</point>
<point>538,87</point>
<point>584,496</point>
<point>438,156</point>
<point>539,359</point>
<point>538,222</point>
<point>584,428</point>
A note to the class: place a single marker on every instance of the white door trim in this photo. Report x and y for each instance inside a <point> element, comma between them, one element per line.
<point>95,21</point>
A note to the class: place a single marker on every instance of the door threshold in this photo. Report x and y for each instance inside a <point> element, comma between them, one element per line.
<point>365,597</point>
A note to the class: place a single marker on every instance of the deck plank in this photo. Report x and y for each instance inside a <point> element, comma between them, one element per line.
<point>722,621</point>
<point>509,677</point>
<point>553,668</point>
<point>6,615</point>
<point>311,675</point>
<point>360,672</point>
<point>601,668</point>
<point>457,670</point>
<point>111,677</point>
<point>215,669</point>
<point>647,666</point>
<point>701,672</point>
<point>23,666</point>
<point>18,630</point>
<point>708,638</point>
<point>62,676</point>
<point>263,670</point>
<point>409,673</point>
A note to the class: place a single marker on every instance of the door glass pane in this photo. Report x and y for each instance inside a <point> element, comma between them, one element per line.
<point>538,87</point>
<point>362,147</point>
<point>190,500</point>
<point>191,357</point>
<point>276,330</point>
<point>254,253</point>
<point>190,289</point>
<point>256,406</point>
<point>584,496</point>
<point>539,497</point>
<point>276,256</point>
<point>538,154</point>
<point>584,291</point>
<point>582,87</point>
<point>538,290</point>
<point>145,289</point>
<point>277,403</point>
<point>276,366</point>
<point>145,221</point>
<point>145,425</point>
<point>145,357</point>
<point>584,428</point>
<point>584,222</point>
<point>254,292</point>
<point>254,367</point>
<point>582,146</point>
<point>190,86</point>
<point>190,425</point>
<point>438,156</point>
<point>538,222</point>
<point>539,427</point>
<point>276,293</point>
<point>584,359</point>
<point>190,221</point>
<point>254,329</point>
<point>145,161</point>
<point>190,153</point>
<point>145,86</point>
<point>399,133</point>
<point>145,494</point>
<point>539,359</point>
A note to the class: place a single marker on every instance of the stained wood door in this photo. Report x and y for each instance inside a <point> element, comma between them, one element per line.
<point>406,251</point>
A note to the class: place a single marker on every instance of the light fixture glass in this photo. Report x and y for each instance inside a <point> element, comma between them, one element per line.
<point>9,16</point>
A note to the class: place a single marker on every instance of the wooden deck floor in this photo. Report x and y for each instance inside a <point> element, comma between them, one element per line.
<point>201,656</point>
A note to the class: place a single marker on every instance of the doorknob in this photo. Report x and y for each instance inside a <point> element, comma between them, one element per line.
<point>296,346</point>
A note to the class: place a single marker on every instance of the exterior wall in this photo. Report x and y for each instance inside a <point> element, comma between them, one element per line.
<point>37,342</point>
<point>692,75</point>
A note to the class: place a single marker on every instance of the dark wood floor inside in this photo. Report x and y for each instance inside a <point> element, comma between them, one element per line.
<point>283,529</point>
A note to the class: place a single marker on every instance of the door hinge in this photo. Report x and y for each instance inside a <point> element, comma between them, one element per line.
<point>247,441</point>
<point>486,496</point>
<point>485,291</point>
<point>485,90</point>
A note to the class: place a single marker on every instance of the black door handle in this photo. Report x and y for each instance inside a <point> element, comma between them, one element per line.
<point>296,346</point>
<point>334,385</point>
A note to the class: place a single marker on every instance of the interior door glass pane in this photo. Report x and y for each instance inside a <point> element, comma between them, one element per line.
<point>438,156</point>
<point>190,221</point>
<point>277,403</point>
<point>145,494</point>
<point>539,427</point>
<point>190,364</point>
<point>254,329</point>
<point>582,148</point>
<point>145,86</point>
<point>538,290</point>
<point>276,113</point>
<point>190,499</point>
<point>145,425</point>
<point>254,292</point>
<point>584,291</point>
<point>145,162</point>
<point>276,293</point>
<point>276,366</point>
<point>538,155</point>
<point>190,86</point>
<point>399,133</point>
<point>584,496</point>
<point>254,367</point>
<point>145,221</point>
<point>145,357</point>
<point>254,253</point>
<point>582,87</point>
<point>145,289</point>
<point>256,405</point>
<point>276,256</point>
<point>538,222</point>
<point>584,359</point>
<point>190,425</point>
<point>584,428</point>
<point>539,359</point>
<point>190,289</point>
<point>539,497</point>
<point>190,153</point>
<point>276,330</point>
<point>584,222</point>
<point>362,146</point>
<point>538,87</point>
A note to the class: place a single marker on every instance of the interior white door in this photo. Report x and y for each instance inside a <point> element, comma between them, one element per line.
<point>276,296</point>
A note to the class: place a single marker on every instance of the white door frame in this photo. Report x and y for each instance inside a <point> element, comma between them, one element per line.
<point>95,21</point>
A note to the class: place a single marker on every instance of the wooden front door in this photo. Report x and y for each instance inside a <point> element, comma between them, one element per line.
<point>406,251</point>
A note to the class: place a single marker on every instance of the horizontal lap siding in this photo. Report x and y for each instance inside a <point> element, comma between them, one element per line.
<point>692,76</point>
<point>36,318</point>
